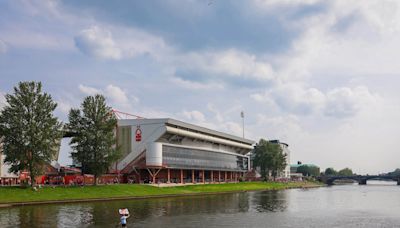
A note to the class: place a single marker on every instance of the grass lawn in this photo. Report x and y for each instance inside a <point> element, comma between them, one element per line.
<point>16,194</point>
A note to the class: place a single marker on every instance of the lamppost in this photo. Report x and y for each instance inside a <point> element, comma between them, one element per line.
<point>242,115</point>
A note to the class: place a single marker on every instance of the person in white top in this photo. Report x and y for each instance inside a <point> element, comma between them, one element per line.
<point>124,216</point>
<point>123,219</point>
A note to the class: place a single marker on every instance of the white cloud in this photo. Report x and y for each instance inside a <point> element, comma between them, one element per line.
<point>360,38</point>
<point>106,42</point>
<point>87,90</point>
<point>63,106</point>
<point>357,39</point>
<point>195,85</point>
<point>297,99</point>
<point>194,115</point>
<point>116,94</point>
<point>293,98</point>
<point>343,102</point>
<point>117,97</point>
<point>120,99</point>
<point>236,63</point>
<point>134,42</point>
<point>229,63</point>
<point>97,42</point>
<point>339,102</point>
<point>281,127</point>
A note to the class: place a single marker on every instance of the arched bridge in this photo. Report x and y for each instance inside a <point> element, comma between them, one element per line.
<point>362,180</point>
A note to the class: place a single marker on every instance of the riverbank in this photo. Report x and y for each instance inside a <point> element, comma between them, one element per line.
<point>12,196</point>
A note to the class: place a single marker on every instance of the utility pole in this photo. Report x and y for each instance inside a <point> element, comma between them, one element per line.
<point>242,115</point>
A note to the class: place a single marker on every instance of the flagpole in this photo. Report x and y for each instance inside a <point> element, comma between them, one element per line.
<point>242,115</point>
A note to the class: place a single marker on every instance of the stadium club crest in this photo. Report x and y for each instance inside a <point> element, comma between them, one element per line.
<point>138,134</point>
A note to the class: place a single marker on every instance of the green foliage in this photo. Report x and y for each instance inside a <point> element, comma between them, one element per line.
<point>30,132</point>
<point>94,140</point>
<point>269,157</point>
<point>345,172</point>
<point>330,172</point>
<point>395,173</point>
<point>308,170</point>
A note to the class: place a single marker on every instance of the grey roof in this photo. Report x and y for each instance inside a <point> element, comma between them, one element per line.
<point>169,121</point>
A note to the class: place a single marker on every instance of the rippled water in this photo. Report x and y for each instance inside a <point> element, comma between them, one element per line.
<point>372,205</point>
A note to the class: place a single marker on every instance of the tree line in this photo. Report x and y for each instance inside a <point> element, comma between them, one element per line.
<point>308,170</point>
<point>31,134</point>
<point>349,172</point>
<point>343,172</point>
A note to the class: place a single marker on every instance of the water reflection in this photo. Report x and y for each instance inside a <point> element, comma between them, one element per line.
<point>9,217</point>
<point>338,206</point>
<point>74,215</point>
<point>273,201</point>
<point>381,182</point>
<point>101,213</point>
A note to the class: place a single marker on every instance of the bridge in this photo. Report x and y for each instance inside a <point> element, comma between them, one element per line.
<point>361,179</point>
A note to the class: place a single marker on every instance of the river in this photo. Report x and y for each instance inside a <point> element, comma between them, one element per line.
<point>374,205</point>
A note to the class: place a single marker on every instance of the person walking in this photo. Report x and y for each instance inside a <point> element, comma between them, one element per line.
<point>124,216</point>
<point>123,219</point>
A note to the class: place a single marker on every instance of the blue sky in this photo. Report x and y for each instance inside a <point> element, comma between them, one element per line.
<point>320,75</point>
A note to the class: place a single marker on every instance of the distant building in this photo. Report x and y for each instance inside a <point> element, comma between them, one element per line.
<point>294,167</point>
<point>6,178</point>
<point>285,149</point>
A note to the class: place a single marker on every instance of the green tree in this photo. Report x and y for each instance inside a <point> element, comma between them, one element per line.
<point>269,157</point>
<point>93,143</point>
<point>395,173</point>
<point>308,170</point>
<point>31,134</point>
<point>330,172</point>
<point>345,172</point>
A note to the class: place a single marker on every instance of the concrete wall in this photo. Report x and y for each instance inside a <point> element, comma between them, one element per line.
<point>150,132</point>
<point>154,156</point>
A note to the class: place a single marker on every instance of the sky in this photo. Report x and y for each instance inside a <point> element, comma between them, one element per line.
<point>320,75</point>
